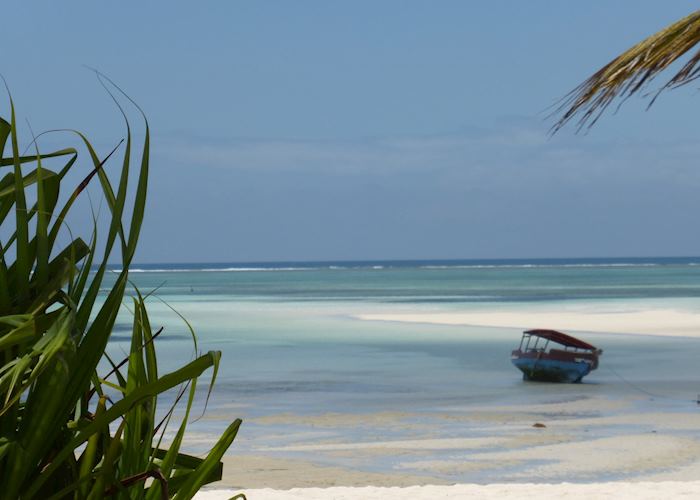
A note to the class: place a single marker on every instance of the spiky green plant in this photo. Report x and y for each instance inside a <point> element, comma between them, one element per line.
<point>67,430</point>
<point>631,71</point>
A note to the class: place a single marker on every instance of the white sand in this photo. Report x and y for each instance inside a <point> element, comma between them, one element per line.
<point>651,447</point>
<point>617,490</point>
<point>658,321</point>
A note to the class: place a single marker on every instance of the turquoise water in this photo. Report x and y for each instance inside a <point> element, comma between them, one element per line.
<point>417,282</point>
<point>292,344</point>
<point>290,341</point>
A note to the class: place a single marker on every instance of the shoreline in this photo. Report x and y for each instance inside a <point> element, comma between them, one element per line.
<point>598,439</point>
<point>661,322</point>
<point>618,489</point>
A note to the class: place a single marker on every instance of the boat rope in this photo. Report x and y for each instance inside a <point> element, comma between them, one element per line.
<point>648,393</point>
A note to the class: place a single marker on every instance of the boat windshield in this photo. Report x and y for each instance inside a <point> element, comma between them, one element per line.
<point>538,340</point>
<point>533,343</point>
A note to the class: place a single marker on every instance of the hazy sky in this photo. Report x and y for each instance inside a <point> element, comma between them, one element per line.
<point>308,130</point>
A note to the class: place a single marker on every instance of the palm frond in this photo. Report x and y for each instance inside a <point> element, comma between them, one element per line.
<point>632,70</point>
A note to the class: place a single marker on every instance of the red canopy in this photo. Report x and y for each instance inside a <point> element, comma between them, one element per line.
<point>561,338</point>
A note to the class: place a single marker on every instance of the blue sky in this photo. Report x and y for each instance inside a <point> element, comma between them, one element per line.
<point>370,130</point>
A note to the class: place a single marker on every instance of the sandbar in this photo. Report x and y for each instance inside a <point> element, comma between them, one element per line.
<point>658,321</point>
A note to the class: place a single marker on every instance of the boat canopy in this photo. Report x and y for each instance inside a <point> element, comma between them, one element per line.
<point>561,338</point>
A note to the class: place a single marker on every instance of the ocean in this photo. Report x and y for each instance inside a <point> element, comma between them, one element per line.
<point>294,349</point>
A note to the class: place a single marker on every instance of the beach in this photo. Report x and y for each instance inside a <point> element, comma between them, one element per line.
<point>349,250</point>
<point>401,379</point>
<point>651,449</point>
<point>618,490</point>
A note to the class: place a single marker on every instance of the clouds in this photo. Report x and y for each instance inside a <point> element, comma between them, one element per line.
<point>372,130</point>
<point>390,155</point>
<point>516,157</point>
<point>499,192</point>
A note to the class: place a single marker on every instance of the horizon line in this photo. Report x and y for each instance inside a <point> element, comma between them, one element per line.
<point>456,259</point>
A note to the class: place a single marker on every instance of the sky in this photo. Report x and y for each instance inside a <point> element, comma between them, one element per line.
<point>359,130</point>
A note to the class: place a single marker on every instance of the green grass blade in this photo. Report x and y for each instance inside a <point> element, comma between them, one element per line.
<point>79,189</point>
<point>88,460</point>
<point>203,474</point>
<point>23,259</point>
<point>166,382</point>
<point>42,237</point>
<point>5,129</point>
<point>55,325</point>
<point>140,201</point>
<point>40,425</point>
<point>170,458</point>
<point>9,162</point>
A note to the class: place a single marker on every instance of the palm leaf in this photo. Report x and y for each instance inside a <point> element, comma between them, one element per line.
<point>631,72</point>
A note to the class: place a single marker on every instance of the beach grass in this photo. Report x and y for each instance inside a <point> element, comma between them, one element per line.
<point>67,429</point>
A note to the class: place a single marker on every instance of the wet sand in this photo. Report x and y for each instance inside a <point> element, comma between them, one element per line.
<point>583,440</point>
<point>609,445</point>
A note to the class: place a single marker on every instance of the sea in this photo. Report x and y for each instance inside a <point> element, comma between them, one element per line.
<point>292,342</point>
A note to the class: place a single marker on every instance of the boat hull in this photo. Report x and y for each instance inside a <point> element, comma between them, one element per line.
<point>550,370</point>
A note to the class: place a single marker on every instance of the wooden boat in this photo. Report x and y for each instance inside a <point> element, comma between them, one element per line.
<point>552,356</point>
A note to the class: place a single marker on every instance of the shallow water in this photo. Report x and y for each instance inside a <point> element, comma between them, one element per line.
<point>291,346</point>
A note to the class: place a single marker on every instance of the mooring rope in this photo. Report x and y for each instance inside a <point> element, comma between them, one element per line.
<point>648,393</point>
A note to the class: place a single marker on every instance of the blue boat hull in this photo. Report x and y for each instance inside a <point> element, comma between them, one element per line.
<point>549,370</point>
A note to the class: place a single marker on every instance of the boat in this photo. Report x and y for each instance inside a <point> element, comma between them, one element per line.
<point>552,356</point>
